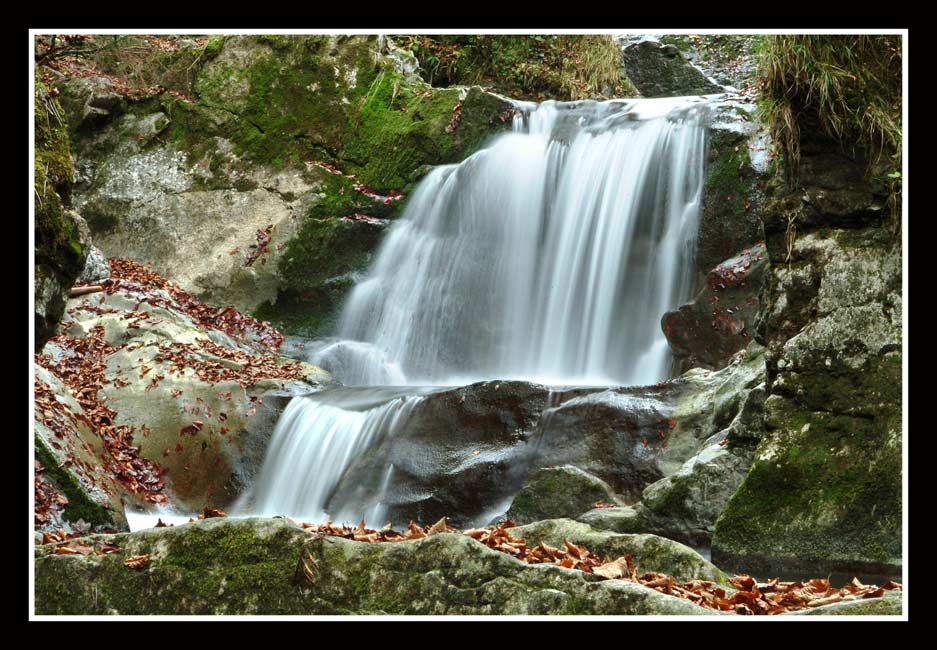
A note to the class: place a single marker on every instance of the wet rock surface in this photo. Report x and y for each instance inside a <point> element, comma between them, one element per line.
<point>720,320</point>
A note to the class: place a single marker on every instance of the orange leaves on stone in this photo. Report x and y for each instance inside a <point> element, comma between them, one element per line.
<point>73,548</point>
<point>752,598</point>
<point>137,561</point>
<point>210,513</point>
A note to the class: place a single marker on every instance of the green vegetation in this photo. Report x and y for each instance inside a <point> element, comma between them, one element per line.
<point>846,86</point>
<point>528,66</point>
<point>80,506</point>
<point>58,244</point>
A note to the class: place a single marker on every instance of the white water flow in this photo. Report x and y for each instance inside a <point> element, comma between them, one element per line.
<point>549,256</point>
<point>312,446</point>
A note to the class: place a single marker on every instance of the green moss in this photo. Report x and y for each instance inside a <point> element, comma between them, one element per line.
<point>213,47</point>
<point>824,487</point>
<point>79,505</point>
<point>730,178</point>
<point>57,238</point>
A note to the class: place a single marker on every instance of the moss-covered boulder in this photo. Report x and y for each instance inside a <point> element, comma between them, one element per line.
<point>265,183</point>
<point>558,492</point>
<point>824,491</point>
<point>650,552</point>
<point>658,70</point>
<point>59,249</point>
<point>256,566</point>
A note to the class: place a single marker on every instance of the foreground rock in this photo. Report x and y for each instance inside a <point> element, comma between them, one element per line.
<point>254,566</point>
<point>650,552</point>
<point>824,492</point>
<point>145,387</point>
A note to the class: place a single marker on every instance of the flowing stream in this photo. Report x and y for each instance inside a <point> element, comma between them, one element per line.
<point>549,256</point>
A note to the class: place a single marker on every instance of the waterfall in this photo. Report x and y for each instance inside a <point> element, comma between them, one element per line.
<point>313,445</point>
<point>549,256</point>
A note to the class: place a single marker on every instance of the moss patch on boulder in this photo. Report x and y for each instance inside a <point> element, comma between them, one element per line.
<point>254,566</point>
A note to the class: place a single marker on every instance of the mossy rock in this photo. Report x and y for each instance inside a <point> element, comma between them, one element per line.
<point>255,566</point>
<point>662,71</point>
<point>730,214</point>
<point>888,605</point>
<point>650,552</point>
<point>59,249</point>
<point>558,492</point>
<point>823,493</point>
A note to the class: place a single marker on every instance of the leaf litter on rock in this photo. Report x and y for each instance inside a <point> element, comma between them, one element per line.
<point>751,598</point>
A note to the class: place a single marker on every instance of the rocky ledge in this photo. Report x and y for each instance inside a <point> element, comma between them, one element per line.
<point>274,566</point>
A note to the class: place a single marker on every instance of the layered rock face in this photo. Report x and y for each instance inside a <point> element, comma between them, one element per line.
<point>824,491</point>
<point>267,184</point>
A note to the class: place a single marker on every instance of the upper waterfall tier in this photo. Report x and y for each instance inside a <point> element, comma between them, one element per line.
<point>549,256</point>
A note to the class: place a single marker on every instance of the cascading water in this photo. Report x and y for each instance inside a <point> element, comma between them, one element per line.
<point>549,256</point>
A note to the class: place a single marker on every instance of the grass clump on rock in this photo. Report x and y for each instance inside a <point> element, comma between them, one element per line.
<point>847,85</point>
<point>530,66</point>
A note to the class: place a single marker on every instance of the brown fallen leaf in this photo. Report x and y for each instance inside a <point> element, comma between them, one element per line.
<point>438,527</point>
<point>137,561</point>
<point>209,513</point>
<point>613,570</point>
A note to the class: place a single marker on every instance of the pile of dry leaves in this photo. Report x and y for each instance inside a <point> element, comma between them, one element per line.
<point>82,370</point>
<point>751,597</point>
<point>127,274</point>
<point>49,501</point>
<point>249,368</point>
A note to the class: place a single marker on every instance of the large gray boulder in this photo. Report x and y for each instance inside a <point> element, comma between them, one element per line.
<point>263,180</point>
